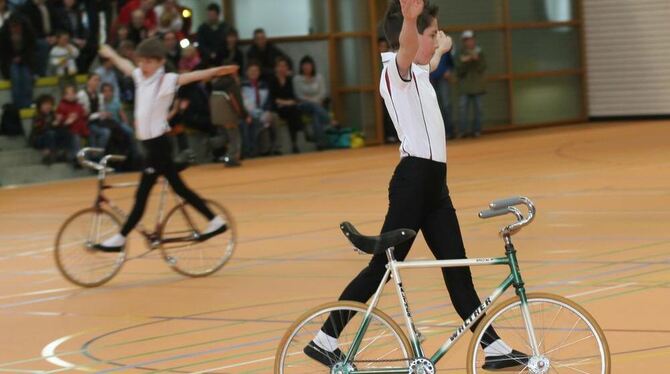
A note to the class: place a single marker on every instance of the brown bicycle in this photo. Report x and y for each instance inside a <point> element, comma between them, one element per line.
<point>177,234</point>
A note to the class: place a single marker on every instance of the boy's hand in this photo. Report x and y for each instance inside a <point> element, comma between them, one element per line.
<point>444,42</point>
<point>226,70</point>
<point>411,8</point>
<point>106,51</point>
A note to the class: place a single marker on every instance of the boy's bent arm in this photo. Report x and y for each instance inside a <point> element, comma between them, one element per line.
<point>205,74</point>
<point>121,63</point>
<point>444,45</point>
<point>409,35</point>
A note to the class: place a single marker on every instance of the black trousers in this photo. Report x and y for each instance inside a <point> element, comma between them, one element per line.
<point>419,200</point>
<point>158,161</point>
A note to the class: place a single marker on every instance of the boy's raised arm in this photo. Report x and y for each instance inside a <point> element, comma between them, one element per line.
<point>444,44</point>
<point>409,35</point>
<point>205,74</point>
<point>121,63</point>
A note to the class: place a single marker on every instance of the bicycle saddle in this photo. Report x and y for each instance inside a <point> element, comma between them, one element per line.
<point>375,244</point>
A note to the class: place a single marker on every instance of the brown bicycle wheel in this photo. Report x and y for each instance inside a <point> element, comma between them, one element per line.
<point>73,249</point>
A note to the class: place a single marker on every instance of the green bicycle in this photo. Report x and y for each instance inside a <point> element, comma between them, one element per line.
<point>558,335</point>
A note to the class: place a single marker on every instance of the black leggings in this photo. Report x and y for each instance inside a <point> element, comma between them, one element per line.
<point>419,200</point>
<point>293,118</point>
<point>158,161</point>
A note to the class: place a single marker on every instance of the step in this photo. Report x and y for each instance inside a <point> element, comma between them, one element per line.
<point>19,157</point>
<point>39,173</point>
<point>12,142</point>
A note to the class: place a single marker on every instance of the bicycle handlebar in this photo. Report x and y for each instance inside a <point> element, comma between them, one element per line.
<point>505,206</point>
<point>82,158</point>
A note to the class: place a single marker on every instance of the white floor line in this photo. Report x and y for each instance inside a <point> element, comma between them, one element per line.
<point>601,290</point>
<point>48,352</point>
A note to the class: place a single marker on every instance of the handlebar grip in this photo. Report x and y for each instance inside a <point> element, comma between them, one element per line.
<point>488,213</point>
<point>504,203</point>
<point>117,158</point>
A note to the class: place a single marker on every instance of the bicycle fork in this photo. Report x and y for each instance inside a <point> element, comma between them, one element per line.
<point>520,290</point>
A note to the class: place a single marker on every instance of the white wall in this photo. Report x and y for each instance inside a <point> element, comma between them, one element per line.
<point>628,57</point>
<point>278,18</point>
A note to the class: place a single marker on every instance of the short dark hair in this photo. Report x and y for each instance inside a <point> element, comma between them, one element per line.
<point>393,20</point>
<point>259,30</point>
<point>68,86</point>
<point>254,62</point>
<point>307,59</point>
<point>283,59</point>
<point>151,48</point>
<point>42,99</point>
<point>106,85</point>
<point>233,31</point>
<point>214,8</point>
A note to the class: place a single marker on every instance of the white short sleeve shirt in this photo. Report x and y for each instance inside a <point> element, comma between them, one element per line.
<point>413,107</point>
<point>153,98</point>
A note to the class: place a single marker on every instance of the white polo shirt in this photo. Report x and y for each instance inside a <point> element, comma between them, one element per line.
<point>413,107</point>
<point>153,97</point>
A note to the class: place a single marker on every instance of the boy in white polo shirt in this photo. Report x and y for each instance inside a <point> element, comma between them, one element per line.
<point>418,194</point>
<point>154,92</point>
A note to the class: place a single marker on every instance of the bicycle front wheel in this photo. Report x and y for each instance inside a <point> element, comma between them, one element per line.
<point>182,249</point>
<point>569,339</point>
<point>383,345</point>
<point>75,256</point>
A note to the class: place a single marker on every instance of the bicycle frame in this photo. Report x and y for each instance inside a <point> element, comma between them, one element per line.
<point>393,267</point>
<point>152,237</point>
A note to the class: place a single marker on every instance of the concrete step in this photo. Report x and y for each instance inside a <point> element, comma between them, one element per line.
<point>39,173</point>
<point>12,142</point>
<point>18,157</point>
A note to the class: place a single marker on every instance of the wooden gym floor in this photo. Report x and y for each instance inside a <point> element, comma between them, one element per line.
<point>601,237</point>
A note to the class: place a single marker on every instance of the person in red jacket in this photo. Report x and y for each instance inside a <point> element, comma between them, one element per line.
<point>125,15</point>
<point>72,115</point>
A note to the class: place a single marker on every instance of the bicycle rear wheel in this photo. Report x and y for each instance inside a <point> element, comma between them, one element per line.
<point>182,249</point>
<point>568,338</point>
<point>383,345</point>
<point>73,250</point>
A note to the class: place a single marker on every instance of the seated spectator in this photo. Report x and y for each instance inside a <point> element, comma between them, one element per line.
<point>169,17</point>
<point>71,115</point>
<point>284,101</point>
<point>109,75</point>
<point>126,83</point>
<point>91,100</point>
<point>147,7</point>
<point>62,60</point>
<point>266,54</point>
<point>122,34</point>
<point>4,12</point>
<point>70,20</point>
<point>190,111</point>
<point>41,15</point>
<point>137,30</point>
<point>47,134</point>
<point>18,59</point>
<point>225,104</point>
<point>258,105</point>
<point>310,89</point>
<point>122,139</point>
<point>173,51</point>
<point>232,54</point>
<point>210,36</point>
<point>189,59</point>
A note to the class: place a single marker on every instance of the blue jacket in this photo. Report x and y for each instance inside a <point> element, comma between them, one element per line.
<point>446,64</point>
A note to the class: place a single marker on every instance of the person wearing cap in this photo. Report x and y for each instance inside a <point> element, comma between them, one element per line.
<point>154,92</point>
<point>470,69</point>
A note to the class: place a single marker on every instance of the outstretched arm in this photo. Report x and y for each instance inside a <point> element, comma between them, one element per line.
<point>409,35</point>
<point>444,44</point>
<point>200,75</point>
<point>121,63</point>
